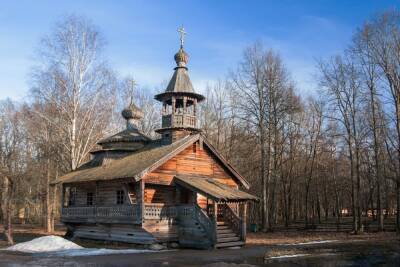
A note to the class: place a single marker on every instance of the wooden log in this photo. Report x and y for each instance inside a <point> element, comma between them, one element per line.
<point>141,199</point>
<point>215,222</point>
<point>243,216</point>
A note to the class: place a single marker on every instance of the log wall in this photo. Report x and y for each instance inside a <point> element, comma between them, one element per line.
<point>114,232</point>
<point>106,193</point>
<point>191,161</point>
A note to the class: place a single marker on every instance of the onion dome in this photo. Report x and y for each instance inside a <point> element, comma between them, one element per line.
<point>181,58</point>
<point>132,114</point>
<point>131,138</point>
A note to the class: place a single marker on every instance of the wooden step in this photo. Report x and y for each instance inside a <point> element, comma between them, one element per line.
<point>226,235</point>
<point>221,223</point>
<point>229,244</point>
<point>228,239</point>
<point>224,231</point>
<point>222,227</point>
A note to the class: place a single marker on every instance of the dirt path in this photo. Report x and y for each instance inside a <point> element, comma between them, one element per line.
<point>338,253</point>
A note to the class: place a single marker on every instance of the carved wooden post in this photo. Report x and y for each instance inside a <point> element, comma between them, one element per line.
<point>173,105</point>
<point>164,108</point>
<point>215,221</point>
<point>141,197</point>
<point>243,216</point>
<point>96,199</point>
<point>184,104</point>
<point>62,199</point>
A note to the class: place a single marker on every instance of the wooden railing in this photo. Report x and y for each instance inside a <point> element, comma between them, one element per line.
<point>188,214</point>
<point>160,211</point>
<point>230,217</point>
<point>78,212</point>
<point>116,213</point>
<point>208,224</point>
<point>179,120</point>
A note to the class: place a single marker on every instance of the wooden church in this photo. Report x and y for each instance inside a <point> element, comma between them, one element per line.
<point>177,188</point>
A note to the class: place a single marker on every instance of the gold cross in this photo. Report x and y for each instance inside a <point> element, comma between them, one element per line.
<point>182,34</point>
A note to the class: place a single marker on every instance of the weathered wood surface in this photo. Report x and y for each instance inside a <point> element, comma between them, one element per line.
<point>231,218</point>
<point>194,161</point>
<point>195,227</point>
<point>121,233</point>
<point>159,194</point>
<point>105,192</point>
<point>102,214</point>
<point>162,230</point>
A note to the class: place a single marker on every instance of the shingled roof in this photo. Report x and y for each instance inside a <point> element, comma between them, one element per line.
<point>133,166</point>
<point>127,135</point>
<point>142,161</point>
<point>180,84</point>
<point>212,189</point>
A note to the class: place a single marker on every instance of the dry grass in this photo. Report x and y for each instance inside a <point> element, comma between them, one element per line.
<point>24,233</point>
<point>304,236</point>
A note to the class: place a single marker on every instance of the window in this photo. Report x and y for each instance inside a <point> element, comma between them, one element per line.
<point>120,197</point>
<point>72,196</point>
<point>89,199</point>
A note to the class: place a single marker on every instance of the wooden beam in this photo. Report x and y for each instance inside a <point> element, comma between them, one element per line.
<point>243,216</point>
<point>62,196</point>
<point>142,207</point>
<point>184,104</point>
<point>215,222</point>
<point>173,105</point>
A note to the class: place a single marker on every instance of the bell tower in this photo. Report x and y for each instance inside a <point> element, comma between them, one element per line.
<point>179,101</point>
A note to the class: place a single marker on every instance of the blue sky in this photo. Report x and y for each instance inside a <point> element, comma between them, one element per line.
<point>142,39</point>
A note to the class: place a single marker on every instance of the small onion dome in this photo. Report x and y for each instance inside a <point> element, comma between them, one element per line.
<point>132,112</point>
<point>181,58</point>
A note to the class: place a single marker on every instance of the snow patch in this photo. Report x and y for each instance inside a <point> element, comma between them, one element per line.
<point>58,246</point>
<point>309,243</point>
<point>49,243</point>
<point>287,256</point>
<point>96,252</point>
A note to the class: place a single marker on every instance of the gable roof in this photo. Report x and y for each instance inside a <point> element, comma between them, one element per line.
<point>132,166</point>
<point>143,161</point>
<point>127,135</point>
<point>212,189</point>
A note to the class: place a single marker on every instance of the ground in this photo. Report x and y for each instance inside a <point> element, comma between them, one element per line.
<point>262,249</point>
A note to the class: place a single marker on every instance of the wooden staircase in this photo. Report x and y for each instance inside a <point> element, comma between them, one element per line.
<point>226,237</point>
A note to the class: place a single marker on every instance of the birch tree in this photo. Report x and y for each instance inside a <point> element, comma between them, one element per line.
<point>72,76</point>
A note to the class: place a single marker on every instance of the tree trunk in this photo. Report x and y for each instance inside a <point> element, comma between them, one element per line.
<point>48,200</point>
<point>264,178</point>
<point>353,193</point>
<point>7,210</point>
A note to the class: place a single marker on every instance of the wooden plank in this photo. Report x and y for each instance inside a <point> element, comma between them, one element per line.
<point>190,162</point>
<point>243,216</point>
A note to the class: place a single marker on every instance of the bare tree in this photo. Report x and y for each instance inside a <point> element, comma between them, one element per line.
<point>382,38</point>
<point>72,77</point>
<point>249,84</point>
<point>12,165</point>
<point>340,78</point>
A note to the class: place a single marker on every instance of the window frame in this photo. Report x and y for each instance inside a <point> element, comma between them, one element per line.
<point>120,194</point>
<point>89,196</point>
